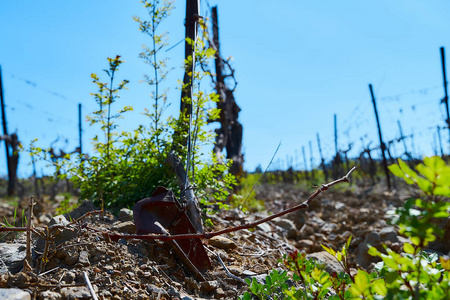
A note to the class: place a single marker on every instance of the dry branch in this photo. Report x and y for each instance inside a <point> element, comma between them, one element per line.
<point>303,205</point>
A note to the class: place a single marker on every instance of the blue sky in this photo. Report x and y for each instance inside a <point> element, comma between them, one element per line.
<point>297,64</point>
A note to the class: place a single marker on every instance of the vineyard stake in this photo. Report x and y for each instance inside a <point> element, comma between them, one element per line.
<point>445,100</point>
<point>80,130</point>
<point>311,159</point>
<point>11,178</point>
<point>383,146</point>
<point>403,139</point>
<point>322,161</point>
<point>440,141</point>
<point>304,162</point>
<point>335,136</point>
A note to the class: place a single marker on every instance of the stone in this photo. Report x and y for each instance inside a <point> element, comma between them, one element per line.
<point>339,205</point>
<point>222,242</point>
<point>209,286</point>
<point>62,236</point>
<point>388,233</point>
<point>304,244</point>
<point>12,257</point>
<point>49,295</point>
<point>125,227</point>
<point>125,214</point>
<point>362,256</point>
<point>85,207</point>
<point>69,277</point>
<point>332,266</point>
<point>70,257</point>
<point>219,293</point>
<point>173,292</point>
<point>264,227</point>
<point>14,294</point>
<point>19,280</point>
<point>316,222</point>
<point>45,219</point>
<point>248,273</point>
<point>77,292</point>
<point>153,289</point>
<point>83,260</point>
<point>328,228</point>
<point>288,225</point>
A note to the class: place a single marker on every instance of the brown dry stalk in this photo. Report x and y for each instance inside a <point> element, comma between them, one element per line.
<point>27,262</point>
<point>208,235</point>
<point>303,205</point>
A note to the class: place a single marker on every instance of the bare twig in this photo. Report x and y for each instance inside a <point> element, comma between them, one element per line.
<point>49,271</point>
<point>225,267</point>
<point>88,283</point>
<point>181,255</point>
<point>303,205</point>
<point>27,262</point>
<point>265,171</point>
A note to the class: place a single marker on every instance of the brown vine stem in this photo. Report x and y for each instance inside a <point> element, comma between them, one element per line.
<point>303,205</point>
<point>117,236</point>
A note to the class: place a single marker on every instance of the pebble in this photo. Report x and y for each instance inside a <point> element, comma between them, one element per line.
<point>209,286</point>
<point>153,289</point>
<point>222,242</point>
<point>288,225</point>
<point>49,295</point>
<point>69,277</point>
<point>328,260</point>
<point>14,294</point>
<point>85,207</point>
<point>125,227</point>
<point>83,260</point>
<point>77,292</point>
<point>12,256</point>
<point>304,244</point>
<point>125,214</point>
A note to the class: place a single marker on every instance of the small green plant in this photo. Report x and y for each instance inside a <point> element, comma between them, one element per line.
<point>127,166</point>
<point>13,224</point>
<point>65,206</point>
<point>273,287</point>
<point>412,274</point>
<point>416,274</point>
<point>314,281</point>
<point>245,195</point>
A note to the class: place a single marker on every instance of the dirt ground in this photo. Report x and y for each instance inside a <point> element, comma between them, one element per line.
<point>135,269</point>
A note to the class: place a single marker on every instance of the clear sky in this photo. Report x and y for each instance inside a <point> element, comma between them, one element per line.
<point>297,63</point>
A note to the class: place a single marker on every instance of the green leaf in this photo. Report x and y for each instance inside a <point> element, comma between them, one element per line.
<point>373,251</point>
<point>362,281</point>
<point>410,175</point>
<point>395,169</point>
<point>408,248</point>
<point>390,262</point>
<point>329,250</point>
<point>379,286</point>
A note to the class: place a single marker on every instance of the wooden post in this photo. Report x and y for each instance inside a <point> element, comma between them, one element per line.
<point>434,145</point>
<point>322,161</point>
<point>304,163</point>
<point>403,139</point>
<point>445,100</point>
<point>7,144</point>
<point>311,159</point>
<point>187,194</point>
<point>382,145</point>
<point>80,130</point>
<point>229,135</point>
<point>335,136</point>
<point>192,15</point>
<point>439,139</point>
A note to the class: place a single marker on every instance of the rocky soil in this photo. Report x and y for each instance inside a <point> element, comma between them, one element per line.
<point>136,269</point>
